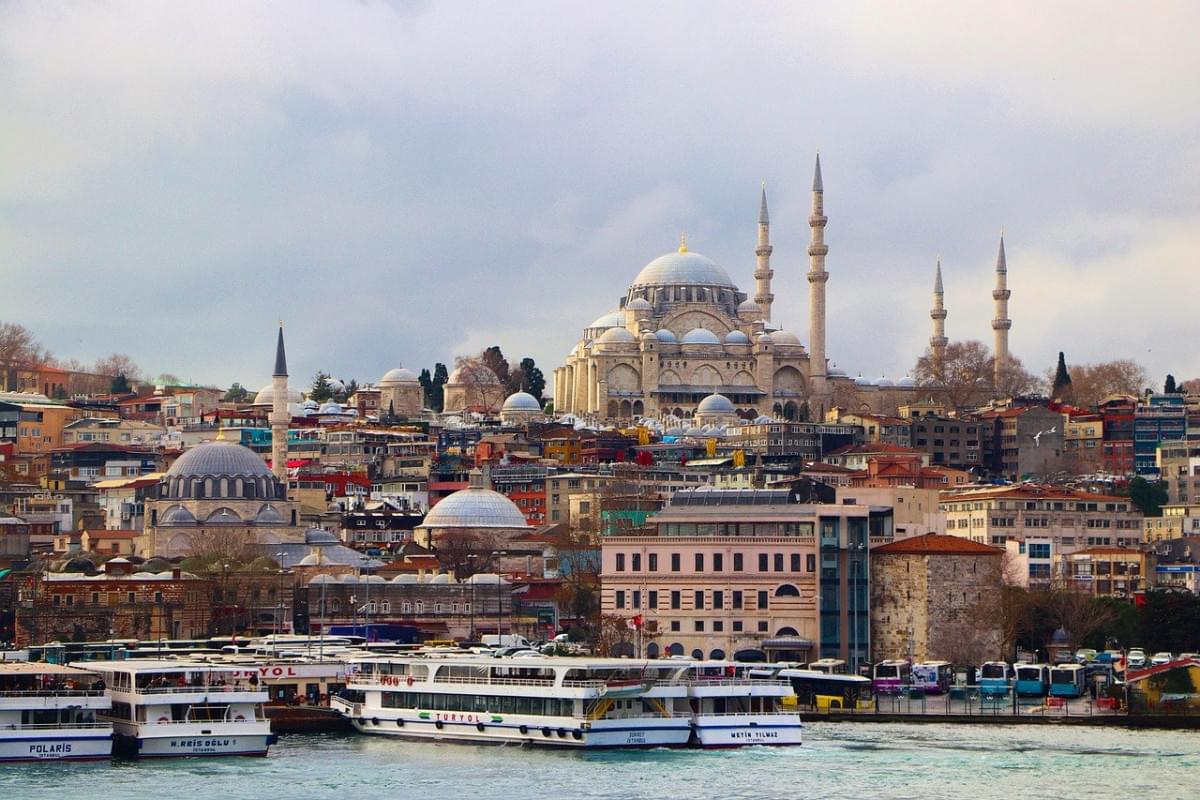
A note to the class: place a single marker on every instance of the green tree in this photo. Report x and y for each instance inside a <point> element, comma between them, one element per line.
<point>1148,496</point>
<point>440,377</point>
<point>1062,391</point>
<point>236,394</point>
<point>426,381</point>
<point>321,391</point>
<point>1169,386</point>
<point>494,360</point>
<point>532,379</point>
<point>120,384</point>
<point>1170,621</point>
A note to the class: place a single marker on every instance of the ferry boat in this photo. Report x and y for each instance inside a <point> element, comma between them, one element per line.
<point>48,712</point>
<point>737,705</point>
<point>557,702</point>
<point>163,708</point>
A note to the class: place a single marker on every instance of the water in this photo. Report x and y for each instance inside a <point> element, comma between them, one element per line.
<point>847,760</point>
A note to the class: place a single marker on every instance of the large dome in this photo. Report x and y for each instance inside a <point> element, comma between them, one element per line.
<point>715,404</point>
<point>266,396</point>
<point>398,375</point>
<point>522,401</point>
<point>683,269</point>
<point>219,459</point>
<point>475,508</point>
<point>700,336</point>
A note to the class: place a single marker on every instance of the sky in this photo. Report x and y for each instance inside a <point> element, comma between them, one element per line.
<point>403,182</point>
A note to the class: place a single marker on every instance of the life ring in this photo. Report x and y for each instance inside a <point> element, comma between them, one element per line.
<point>578,735</point>
<point>524,729</point>
<point>410,680</point>
<point>479,727</point>
<point>239,718</point>
<point>438,725</point>
<point>163,720</point>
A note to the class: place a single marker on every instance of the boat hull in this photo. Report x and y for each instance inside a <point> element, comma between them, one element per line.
<point>193,745</point>
<point>748,730</point>
<point>554,732</point>
<point>51,745</point>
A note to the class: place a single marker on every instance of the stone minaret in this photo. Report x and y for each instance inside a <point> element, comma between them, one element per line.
<point>279,412</point>
<point>817,277</point>
<point>1001,324</point>
<point>762,268</point>
<point>938,342</point>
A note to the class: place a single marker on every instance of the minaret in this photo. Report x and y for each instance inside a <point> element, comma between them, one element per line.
<point>1001,324</point>
<point>817,277</point>
<point>762,269</point>
<point>938,342</point>
<point>279,412</point>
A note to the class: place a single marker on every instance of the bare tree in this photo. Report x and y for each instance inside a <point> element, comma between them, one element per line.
<point>1015,380</point>
<point>613,635</point>
<point>464,553</point>
<point>1094,382</point>
<point>964,376</point>
<point>482,390</point>
<point>118,364</point>
<point>1079,613</point>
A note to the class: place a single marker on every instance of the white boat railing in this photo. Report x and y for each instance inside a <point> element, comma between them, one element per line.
<point>55,693</point>
<point>207,689</point>
<point>702,682</point>
<point>49,726</point>
<point>795,714</point>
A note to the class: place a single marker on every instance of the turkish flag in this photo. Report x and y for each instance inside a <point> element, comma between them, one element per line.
<point>636,622</point>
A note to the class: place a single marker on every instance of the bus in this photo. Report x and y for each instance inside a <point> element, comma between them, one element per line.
<point>1067,680</point>
<point>826,691</point>
<point>1032,680</point>
<point>994,678</point>
<point>933,677</point>
<point>830,666</point>
<point>891,676</point>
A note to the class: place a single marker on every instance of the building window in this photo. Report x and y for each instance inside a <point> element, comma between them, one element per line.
<point>652,560</point>
<point>699,626</point>
<point>795,562</point>
<point>737,626</point>
<point>699,598</point>
<point>676,601</point>
<point>674,562</point>
<point>636,562</point>
<point>620,598</point>
<point>675,626</point>
<point>637,598</point>
<point>762,601</point>
<point>699,562</point>
<point>718,562</point>
<point>779,562</point>
<point>718,626</point>
<point>718,600</point>
<point>763,562</point>
<point>810,562</point>
<point>652,599</point>
<point>620,562</point>
<point>763,626</point>
<point>737,598</point>
<point>737,562</point>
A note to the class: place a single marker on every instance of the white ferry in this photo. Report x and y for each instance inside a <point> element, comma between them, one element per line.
<point>48,713</point>
<point>184,708</point>
<point>558,702</point>
<point>736,705</point>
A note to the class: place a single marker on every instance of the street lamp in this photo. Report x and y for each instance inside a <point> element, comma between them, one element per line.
<point>278,601</point>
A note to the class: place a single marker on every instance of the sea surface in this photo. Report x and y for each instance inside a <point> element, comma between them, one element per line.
<point>846,760</point>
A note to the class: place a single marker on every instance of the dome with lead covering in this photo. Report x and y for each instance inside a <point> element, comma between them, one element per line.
<point>266,396</point>
<point>683,269</point>
<point>736,337</point>
<point>475,508</point>
<point>613,319</point>
<point>700,336</point>
<point>666,336</point>
<point>616,336</point>
<point>398,375</point>
<point>219,459</point>
<point>522,401</point>
<point>715,404</point>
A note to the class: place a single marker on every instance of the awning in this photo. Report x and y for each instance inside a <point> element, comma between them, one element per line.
<point>4,573</point>
<point>788,643</point>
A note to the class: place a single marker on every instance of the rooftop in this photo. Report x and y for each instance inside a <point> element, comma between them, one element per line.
<point>937,544</point>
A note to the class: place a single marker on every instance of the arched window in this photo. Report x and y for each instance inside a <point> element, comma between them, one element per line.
<point>698,654</point>
<point>787,590</point>
<point>676,649</point>
<point>717,655</point>
<point>652,650</point>
<point>208,487</point>
<point>239,488</point>
<point>787,631</point>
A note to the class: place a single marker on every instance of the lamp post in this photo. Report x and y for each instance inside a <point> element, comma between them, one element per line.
<point>278,600</point>
<point>362,564</point>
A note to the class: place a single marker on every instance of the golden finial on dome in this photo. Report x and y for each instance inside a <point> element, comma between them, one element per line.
<point>683,242</point>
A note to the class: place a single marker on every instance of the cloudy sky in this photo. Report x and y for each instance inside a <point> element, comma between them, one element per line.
<point>404,182</point>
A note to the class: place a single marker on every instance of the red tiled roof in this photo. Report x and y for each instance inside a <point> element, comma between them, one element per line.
<point>1032,491</point>
<point>873,448</point>
<point>938,544</point>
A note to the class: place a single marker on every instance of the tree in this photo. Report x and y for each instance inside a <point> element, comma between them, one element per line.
<point>494,360</point>
<point>426,381</point>
<point>464,553</point>
<point>1170,621</point>
<point>236,394</point>
<point>169,379</point>
<point>1094,382</point>
<point>964,377</point>
<point>1079,613</point>
<point>321,391</point>
<point>1191,387</point>
<point>532,379</point>
<point>19,350</point>
<point>1060,389</point>
<point>481,388</point>
<point>1014,380</point>
<point>1169,386</point>
<point>118,364</point>
<point>440,376</point>
<point>120,384</point>
<point>1148,497</point>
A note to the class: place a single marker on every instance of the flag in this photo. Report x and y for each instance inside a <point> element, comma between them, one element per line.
<point>635,623</point>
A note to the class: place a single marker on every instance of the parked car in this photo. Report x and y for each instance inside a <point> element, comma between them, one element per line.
<point>1158,659</point>
<point>1084,655</point>
<point>1136,659</point>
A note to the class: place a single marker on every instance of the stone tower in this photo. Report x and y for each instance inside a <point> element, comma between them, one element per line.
<point>1001,324</point>
<point>280,417</point>
<point>817,278</point>
<point>762,268</point>
<point>938,341</point>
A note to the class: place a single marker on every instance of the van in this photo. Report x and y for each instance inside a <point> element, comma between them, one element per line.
<point>505,640</point>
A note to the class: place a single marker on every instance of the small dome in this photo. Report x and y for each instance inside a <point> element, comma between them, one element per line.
<point>319,536</point>
<point>764,338</point>
<point>686,268</point>
<point>310,560</point>
<point>330,408</point>
<point>522,401</point>
<point>475,508</point>
<point>715,404</point>
<point>336,386</point>
<point>613,319</point>
<point>907,382</point>
<point>665,335</point>
<point>616,336</point>
<point>219,459</point>
<point>268,516</point>
<point>459,375</point>
<point>748,306</point>
<point>441,577</point>
<point>700,336</point>
<point>177,515</point>
<point>736,337</point>
<point>266,396</point>
<point>695,430</point>
<point>885,383</point>
<point>784,337</point>
<point>310,405</point>
<point>835,372</point>
<point>398,375</point>
<point>223,516</point>
<point>861,381</point>
<point>405,577</point>
<point>639,304</point>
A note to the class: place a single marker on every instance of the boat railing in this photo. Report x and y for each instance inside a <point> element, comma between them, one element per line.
<point>776,713</point>
<point>702,682</point>
<point>203,689</point>
<point>49,726</point>
<point>244,721</point>
<point>55,693</point>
